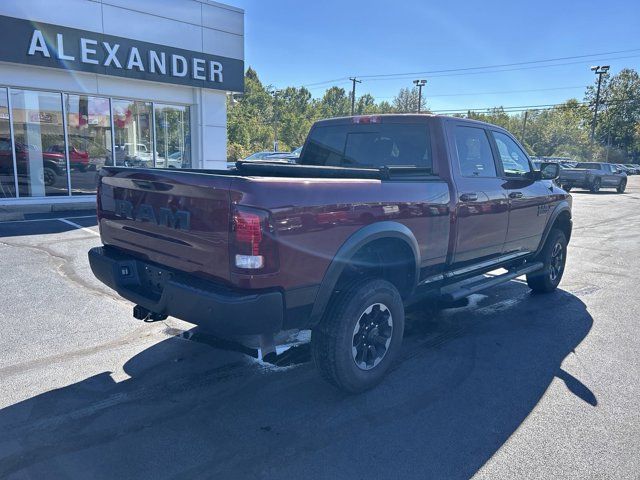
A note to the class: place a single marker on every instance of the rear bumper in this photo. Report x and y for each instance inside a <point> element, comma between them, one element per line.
<point>224,311</point>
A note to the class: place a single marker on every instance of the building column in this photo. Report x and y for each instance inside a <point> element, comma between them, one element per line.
<point>211,129</point>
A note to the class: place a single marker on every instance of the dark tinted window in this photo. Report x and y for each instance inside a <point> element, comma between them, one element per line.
<point>474,152</point>
<point>368,146</point>
<point>592,166</point>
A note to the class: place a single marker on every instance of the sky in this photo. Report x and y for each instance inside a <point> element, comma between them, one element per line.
<point>295,43</point>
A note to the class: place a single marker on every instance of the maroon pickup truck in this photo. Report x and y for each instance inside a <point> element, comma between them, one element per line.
<point>379,211</point>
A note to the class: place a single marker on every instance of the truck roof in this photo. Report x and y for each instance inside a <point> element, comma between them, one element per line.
<point>399,118</point>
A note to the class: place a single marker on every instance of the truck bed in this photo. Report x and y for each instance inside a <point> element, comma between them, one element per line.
<point>182,219</point>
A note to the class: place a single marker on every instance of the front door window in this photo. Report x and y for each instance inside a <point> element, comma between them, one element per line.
<point>514,162</point>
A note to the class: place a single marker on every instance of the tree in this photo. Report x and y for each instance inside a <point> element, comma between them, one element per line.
<point>559,131</point>
<point>366,104</point>
<point>619,112</point>
<point>407,101</point>
<point>249,119</point>
<point>295,116</point>
<point>334,103</point>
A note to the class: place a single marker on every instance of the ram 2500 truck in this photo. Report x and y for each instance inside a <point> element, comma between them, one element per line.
<point>379,211</point>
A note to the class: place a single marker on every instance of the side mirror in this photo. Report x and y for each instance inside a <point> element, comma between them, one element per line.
<point>549,171</point>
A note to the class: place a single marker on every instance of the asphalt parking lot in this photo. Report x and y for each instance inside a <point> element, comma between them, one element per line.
<point>514,385</point>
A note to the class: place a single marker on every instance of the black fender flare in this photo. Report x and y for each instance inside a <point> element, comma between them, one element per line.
<point>367,234</point>
<point>563,206</point>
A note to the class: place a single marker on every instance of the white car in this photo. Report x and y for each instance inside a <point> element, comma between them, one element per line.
<point>172,161</point>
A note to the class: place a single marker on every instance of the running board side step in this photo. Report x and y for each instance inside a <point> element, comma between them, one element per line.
<point>458,291</point>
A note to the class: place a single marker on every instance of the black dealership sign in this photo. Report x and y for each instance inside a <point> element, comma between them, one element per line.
<point>45,45</point>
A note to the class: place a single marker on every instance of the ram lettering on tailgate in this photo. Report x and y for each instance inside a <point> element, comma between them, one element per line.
<point>165,217</point>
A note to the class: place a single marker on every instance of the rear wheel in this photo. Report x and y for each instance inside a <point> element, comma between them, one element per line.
<point>49,176</point>
<point>622,186</point>
<point>554,257</point>
<point>359,336</point>
<point>595,186</point>
<point>566,188</point>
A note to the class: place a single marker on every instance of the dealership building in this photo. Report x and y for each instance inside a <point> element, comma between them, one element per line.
<point>134,83</point>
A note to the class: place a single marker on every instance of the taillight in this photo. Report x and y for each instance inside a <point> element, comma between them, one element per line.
<point>253,246</point>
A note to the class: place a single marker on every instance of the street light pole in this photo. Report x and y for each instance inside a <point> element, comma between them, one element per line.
<point>599,70</point>
<point>353,94</point>
<point>420,83</point>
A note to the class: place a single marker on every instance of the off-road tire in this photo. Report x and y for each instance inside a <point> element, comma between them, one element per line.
<point>547,279</point>
<point>332,341</point>
<point>595,186</point>
<point>49,176</point>
<point>622,186</point>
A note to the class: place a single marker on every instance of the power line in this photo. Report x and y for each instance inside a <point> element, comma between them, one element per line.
<point>471,70</point>
<point>501,65</point>
<point>497,92</point>
<point>522,108</point>
<point>580,62</point>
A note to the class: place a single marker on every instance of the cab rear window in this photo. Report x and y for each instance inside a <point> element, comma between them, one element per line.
<point>592,166</point>
<point>369,146</point>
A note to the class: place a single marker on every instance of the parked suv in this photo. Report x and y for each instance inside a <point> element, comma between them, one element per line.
<point>379,212</point>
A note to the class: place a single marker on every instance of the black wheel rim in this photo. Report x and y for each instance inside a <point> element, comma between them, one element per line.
<point>49,178</point>
<point>557,262</point>
<point>372,336</point>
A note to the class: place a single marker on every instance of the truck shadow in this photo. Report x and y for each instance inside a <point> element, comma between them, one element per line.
<point>467,379</point>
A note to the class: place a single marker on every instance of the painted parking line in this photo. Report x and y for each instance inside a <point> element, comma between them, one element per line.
<point>45,219</point>
<point>80,227</point>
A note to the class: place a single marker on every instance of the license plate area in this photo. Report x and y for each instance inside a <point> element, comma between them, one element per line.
<point>154,278</point>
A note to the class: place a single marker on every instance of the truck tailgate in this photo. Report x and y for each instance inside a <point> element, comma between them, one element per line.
<point>177,219</point>
<point>578,174</point>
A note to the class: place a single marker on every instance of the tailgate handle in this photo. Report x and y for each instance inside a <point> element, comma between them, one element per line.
<point>144,184</point>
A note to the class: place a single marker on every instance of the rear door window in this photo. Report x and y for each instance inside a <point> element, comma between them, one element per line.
<point>369,146</point>
<point>474,152</point>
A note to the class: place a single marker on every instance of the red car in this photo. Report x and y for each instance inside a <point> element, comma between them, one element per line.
<point>78,159</point>
<point>54,163</point>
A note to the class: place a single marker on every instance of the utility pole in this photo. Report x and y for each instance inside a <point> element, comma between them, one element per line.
<point>420,83</point>
<point>524,125</point>
<point>354,80</point>
<point>275,119</point>
<point>599,70</point>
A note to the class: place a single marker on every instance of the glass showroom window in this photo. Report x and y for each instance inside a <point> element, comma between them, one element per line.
<point>39,140</point>
<point>89,139</point>
<point>173,136</point>
<point>132,124</point>
<point>7,180</point>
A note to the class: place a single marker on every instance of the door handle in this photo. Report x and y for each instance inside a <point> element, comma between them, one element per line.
<point>469,197</point>
<point>515,195</point>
